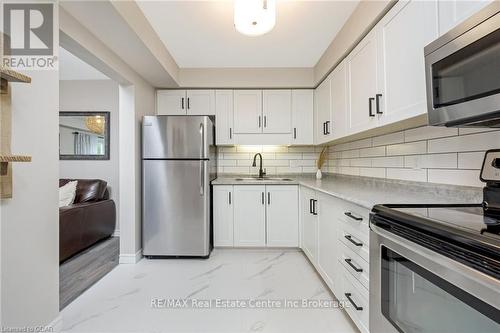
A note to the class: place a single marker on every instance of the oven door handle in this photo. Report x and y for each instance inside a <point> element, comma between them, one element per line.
<point>358,308</point>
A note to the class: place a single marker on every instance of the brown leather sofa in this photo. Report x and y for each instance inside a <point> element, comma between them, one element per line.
<point>91,218</point>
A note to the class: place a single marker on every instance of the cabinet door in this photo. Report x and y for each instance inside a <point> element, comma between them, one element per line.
<point>224,117</point>
<point>338,93</point>
<point>171,102</point>
<point>282,214</point>
<point>223,215</point>
<point>452,12</point>
<point>408,26</point>
<point>322,102</point>
<point>302,117</point>
<point>277,111</point>
<point>200,102</point>
<point>309,224</point>
<point>362,84</point>
<point>249,215</point>
<point>328,243</point>
<point>247,111</point>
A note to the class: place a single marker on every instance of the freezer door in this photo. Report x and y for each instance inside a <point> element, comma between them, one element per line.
<point>177,137</point>
<point>176,208</point>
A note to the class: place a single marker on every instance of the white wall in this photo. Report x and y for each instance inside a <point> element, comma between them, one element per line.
<point>30,220</point>
<point>93,95</point>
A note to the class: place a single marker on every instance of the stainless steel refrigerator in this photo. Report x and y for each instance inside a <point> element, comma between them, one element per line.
<point>179,162</point>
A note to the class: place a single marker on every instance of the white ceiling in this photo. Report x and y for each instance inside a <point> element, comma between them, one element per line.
<point>201,34</point>
<point>73,68</point>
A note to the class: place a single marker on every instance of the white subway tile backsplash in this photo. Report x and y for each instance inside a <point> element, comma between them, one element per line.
<point>463,143</point>
<point>287,170</point>
<point>418,175</point>
<point>349,171</point>
<point>438,161</point>
<point>350,153</point>
<point>288,156</point>
<point>365,143</point>
<point>419,147</point>
<point>389,139</point>
<point>361,162</point>
<point>236,156</point>
<point>455,177</point>
<point>470,130</point>
<point>472,160</point>
<point>222,162</point>
<point>372,172</point>
<point>388,162</point>
<point>372,152</point>
<point>429,132</point>
<point>300,163</point>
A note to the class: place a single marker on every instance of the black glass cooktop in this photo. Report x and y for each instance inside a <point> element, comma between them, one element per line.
<point>462,232</point>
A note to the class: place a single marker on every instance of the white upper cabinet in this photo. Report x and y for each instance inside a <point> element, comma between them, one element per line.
<point>282,216</point>
<point>401,35</point>
<point>224,117</point>
<point>249,215</point>
<point>338,93</point>
<point>277,111</point>
<point>362,84</point>
<point>171,102</point>
<point>302,117</point>
<point>200,102</point>
<point>452,12</point>
<point>223,215</point>
<point>323,109</point>
<point>248,111</point>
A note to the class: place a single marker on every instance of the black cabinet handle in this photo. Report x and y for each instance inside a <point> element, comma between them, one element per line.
<point>263,200</point>
<point>324,128</point>
<point>311,206</point>
<point>315,212</point>
<point>259,121</point>
<point>357,269</point>
<point>265,121</point>
<point>358,308</point>
<point>370,111</point>
<point>349,214</point>
<point>230,198</point>
<point>230,133</point>
<point>377,99</point>
<point>349,238</point>
<point>327,127</point>
<point>188,102</point>
<point>182,103</point>
<point>268,198</point>
<point>295,132</point>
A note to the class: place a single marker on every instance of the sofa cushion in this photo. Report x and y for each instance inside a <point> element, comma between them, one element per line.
<point>88,190</point>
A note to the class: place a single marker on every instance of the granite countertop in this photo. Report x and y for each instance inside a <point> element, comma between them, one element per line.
<point>367,192</point>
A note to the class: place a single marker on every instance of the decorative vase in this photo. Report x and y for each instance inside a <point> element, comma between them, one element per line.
<point>319,174</point>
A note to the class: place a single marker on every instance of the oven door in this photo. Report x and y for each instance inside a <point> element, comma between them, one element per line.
<point>462,77</point>
<point>413,289</point>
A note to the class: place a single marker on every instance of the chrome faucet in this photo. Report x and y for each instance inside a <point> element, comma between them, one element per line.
<point>262,173</point>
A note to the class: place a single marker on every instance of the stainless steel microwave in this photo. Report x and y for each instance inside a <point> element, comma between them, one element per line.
<point>463,73</point>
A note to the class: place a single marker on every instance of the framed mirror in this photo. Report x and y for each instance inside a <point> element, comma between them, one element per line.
<point>84,135</point>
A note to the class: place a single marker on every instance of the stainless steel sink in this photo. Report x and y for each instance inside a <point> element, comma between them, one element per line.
<point>264,179</point>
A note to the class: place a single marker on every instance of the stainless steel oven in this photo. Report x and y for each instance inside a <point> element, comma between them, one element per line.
<point>463,72</point>
<point>420,284</point>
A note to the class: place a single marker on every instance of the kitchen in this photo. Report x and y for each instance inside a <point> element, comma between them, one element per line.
<point>281,166</point>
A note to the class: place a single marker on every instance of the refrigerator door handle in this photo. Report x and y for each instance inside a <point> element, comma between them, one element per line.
<point>202,134</point>
<point>202,178</point>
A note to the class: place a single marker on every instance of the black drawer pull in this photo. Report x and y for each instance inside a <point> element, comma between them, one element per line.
<point>311,206</point>
<point>315,211</point>
<point>349,238</point>
<point>349,214</point>
<point>349,262</point>
<point>358,308</point>
<point>370,111</point>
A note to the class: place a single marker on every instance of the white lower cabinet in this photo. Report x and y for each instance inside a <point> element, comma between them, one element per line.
<point>282,215</point>
<point>223,214</point>
<point>249,216</point>
<point>256,216</point>
<point>335,239</point>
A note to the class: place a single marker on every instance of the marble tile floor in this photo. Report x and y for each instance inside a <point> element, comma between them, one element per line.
<point>122,300</point>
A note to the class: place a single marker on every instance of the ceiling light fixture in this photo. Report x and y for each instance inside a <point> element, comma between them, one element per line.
<point>254,17</point>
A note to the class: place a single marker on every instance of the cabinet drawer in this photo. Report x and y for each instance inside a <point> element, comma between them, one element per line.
<point>356,241</point>
<point>355,265</point>
<point>354,295</point>
<point>357,217</point>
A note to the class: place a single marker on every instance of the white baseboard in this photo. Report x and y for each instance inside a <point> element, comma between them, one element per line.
<point>116,233</point>
<point>55,325</point>
<point>131,258</point>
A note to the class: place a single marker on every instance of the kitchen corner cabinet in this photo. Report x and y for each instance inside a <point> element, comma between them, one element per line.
<point>323,110</point>
<point>185,102</point>
<point>282,214</point>
<point>223,214</point>
<point>302,117</point>
<point>249,215</point>
<point>247,111</point>
<point>402,35</point>
<point>309,209</point>
<point>256,216</point>
<point>339,106</point>
<point>224,117</point>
